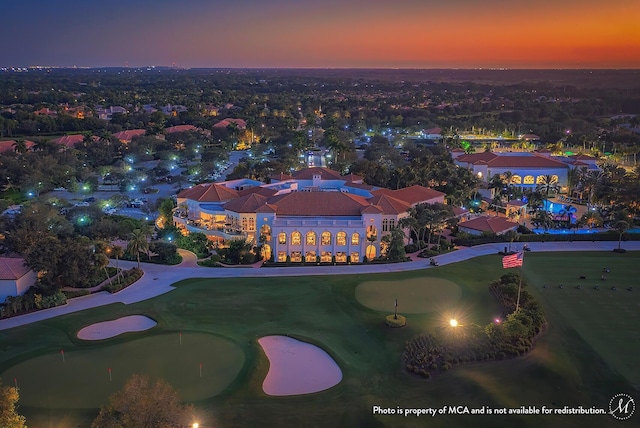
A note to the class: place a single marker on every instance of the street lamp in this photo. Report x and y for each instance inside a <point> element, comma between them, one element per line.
<point>195,425</point>
<point>453,322</point>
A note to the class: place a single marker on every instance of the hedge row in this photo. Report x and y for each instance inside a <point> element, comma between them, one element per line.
<point>548,237</point>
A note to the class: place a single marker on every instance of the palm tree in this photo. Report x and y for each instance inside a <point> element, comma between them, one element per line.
<point>543,219</point>
<point>117,252</point>
<point>20,146</point>
<point>547,184</point>
<point>512,235</point>
<point>621,226</point>
<point>137,243</point>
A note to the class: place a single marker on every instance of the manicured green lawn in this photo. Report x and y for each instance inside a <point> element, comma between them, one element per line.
<point>415,296</point>
<point>85,372</point>
<point>563,369</point>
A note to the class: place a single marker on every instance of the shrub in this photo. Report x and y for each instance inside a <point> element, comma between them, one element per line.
<point>130,276</point>
<point>410,248</point>
<point>394,322</point>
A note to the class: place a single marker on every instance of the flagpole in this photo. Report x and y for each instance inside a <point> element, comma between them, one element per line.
<point>520,284</point>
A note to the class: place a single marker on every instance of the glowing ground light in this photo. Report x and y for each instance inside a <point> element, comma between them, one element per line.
<point>453,323</point>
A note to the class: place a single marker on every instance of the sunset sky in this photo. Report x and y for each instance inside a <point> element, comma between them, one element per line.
<point>322,33</point>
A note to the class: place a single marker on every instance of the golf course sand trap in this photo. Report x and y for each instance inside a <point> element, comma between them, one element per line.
<point>107,329</point>
<point>297,367</point>
<point>415,296</point>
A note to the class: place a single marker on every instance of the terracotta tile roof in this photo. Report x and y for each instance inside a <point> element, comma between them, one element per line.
<point>530,137</point>
<point>496,225</point>
<point>389,204</point>
<point>525,161</point>
<point>412,195</point>
<point>433,131</point>
<point>209,192</point>
<point>179,128</point>
<point>128,135</point>
<point>228,121</point>
<point>7,146</point>
<point>325,174</point>
<point>281,177</point>
<point>353,178</point>
<point>12,268</point>
<point>372,209</point>
<point>72,140</point>
<point>517,203</point>
<point>319,204</point>
<point>246,204</point>
<point>458,211</point>
<point>267,208</point>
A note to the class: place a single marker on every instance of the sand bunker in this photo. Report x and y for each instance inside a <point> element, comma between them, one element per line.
<point>107,329</point>
<point>297,367</point>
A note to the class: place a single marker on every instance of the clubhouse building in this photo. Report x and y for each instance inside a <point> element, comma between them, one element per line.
<point>528,169</point>
<point>315,213</point>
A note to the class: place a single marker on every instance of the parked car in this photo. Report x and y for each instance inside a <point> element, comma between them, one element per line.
<point>90,199</point>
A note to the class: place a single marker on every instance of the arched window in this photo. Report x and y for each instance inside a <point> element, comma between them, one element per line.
<point>296,238</point>
<point>541,179</point>
<point>325,238</point>
<point>554,179</point>
<point>282,238</point>
<point>341,238</point>
<point>355,239</point>
<point>528,179</point>
<point>311,238</point>
<point>371,252</point>
<point>516,179</point>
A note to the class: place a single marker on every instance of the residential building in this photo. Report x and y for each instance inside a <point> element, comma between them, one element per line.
<point>15,277</point>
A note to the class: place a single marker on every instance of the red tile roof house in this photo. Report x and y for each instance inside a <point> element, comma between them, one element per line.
<point>528,169</point>
<point>69,141</point>
<point>315,212</point>
<point>485,224</point>
<point>15,277</point>
<point>241,123</point>
<point>9,145</point>
<point>125,137</point>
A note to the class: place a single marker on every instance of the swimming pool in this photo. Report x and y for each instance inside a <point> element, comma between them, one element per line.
<point>570,232</point>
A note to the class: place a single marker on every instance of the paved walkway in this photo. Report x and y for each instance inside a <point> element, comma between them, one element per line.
<point>157,279</point>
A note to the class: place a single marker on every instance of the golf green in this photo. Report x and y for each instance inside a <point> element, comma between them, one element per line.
<point>83,379</point>
<point>415,295</point>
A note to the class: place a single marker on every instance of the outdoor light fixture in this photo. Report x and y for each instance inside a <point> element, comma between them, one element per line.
<point>453,322</point>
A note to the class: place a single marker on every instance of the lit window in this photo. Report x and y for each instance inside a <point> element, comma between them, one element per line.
<point>528,179</point>
<point>341,238</point>
<point>310,257</point>
<point>325,256</point>
<point>355,239</point>
<point>282,256</point>
<point>355,257</point>
<point>296,256</point>
<point>282,238</point>
<point>326,238</point>
<point>516,179</point>
<point>296,238</point>
<point>311,238</point>
<point>341,257</point>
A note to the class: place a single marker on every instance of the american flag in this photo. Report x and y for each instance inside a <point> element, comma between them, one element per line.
<point>514,260</point>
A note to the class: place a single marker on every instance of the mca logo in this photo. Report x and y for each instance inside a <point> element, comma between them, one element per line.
<point>622,406</point>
